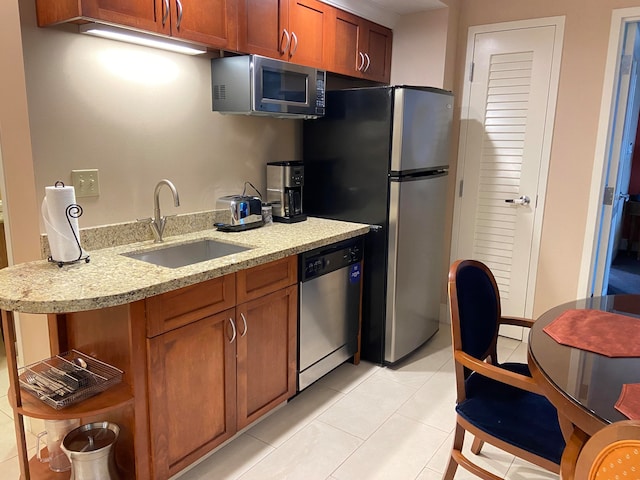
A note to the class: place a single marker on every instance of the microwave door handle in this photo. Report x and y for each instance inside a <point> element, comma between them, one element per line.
<point>286,47</point>
<point>294,40</point>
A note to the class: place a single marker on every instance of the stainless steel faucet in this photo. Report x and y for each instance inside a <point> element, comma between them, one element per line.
<point>157,223</point>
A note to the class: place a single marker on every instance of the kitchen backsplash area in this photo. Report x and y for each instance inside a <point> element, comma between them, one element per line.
<point>138,115</point>
<point>124,233</point>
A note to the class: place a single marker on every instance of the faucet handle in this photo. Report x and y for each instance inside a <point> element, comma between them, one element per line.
<point>145,220</point>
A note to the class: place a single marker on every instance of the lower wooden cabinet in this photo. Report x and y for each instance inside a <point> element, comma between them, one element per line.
<point>192,392</point>
<point>212,375</point>
<point>267,342</point>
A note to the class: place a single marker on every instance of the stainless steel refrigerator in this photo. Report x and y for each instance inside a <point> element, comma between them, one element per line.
<point>380,156</point>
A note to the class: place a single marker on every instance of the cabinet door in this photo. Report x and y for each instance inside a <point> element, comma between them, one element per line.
<point>192,392</point>
<point>210,22</point>
<point>378,48</point>
<point>142,14</point>
<point>309,25</point>
<point>267,343</point>
<point>346,56</point>
<point>261,27</point>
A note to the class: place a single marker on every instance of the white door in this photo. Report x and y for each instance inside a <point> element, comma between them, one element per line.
<point>625,121</point>
<point>507,121</point>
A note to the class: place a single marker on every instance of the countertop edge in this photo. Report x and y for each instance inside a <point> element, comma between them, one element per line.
<point>37,295</point>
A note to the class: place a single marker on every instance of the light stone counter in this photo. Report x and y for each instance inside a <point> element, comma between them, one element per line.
<point>111,279</point>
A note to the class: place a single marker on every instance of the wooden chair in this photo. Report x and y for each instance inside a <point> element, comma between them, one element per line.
<point>498,403</point>
<point>611,453</point>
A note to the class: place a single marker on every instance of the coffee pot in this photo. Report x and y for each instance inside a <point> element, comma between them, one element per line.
<point>285,181</point>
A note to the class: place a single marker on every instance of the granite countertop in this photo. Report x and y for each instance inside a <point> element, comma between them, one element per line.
<point>111,279</point>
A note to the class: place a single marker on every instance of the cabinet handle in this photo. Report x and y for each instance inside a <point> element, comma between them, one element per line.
<point>244,320</point>
<point>362,63</point>
<point>165,14</point>
<point>294,39</point>
<point>286,47</point>
<point>233,329</point>
<point>368,62</point>
<point>179,4</point>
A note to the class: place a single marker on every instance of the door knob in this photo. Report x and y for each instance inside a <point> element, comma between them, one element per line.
<point>523,200</point>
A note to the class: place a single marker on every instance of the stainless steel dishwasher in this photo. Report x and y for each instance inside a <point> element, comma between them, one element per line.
<point>330,292</point>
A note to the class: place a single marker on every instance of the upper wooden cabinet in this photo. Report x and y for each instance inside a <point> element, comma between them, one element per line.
<point>209,22</point>
<point>292,30</point>
<point>306,32</point>
<point>361,49</point>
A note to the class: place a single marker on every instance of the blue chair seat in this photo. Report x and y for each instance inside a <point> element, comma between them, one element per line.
<point>521,418</point>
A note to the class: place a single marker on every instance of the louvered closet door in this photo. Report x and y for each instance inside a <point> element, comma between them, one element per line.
<point>501,156</point>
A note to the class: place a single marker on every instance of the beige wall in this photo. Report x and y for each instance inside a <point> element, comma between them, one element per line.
<point>20,209</point>
<point>419,49</point>
<point>578,107</point>
<point>138,115</point>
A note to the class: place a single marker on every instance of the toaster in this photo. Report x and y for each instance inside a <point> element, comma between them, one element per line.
<point>245,212</point>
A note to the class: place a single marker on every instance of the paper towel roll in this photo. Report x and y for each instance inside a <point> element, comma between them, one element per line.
<point>62,232</point>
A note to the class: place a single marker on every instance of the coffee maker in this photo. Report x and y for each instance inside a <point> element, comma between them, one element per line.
<point>284,190</point>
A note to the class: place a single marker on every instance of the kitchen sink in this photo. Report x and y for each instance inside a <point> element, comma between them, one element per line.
<point>175,256</point>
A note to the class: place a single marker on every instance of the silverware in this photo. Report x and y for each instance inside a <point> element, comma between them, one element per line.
<point>45,384</point>
<point>81,363</point>
<point>32,383</point>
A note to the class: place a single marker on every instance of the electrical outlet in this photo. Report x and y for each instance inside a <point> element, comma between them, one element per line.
<point>85,182</point>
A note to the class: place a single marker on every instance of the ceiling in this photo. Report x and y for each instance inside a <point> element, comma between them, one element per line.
<point>386,12</point>
<point>403,7</point>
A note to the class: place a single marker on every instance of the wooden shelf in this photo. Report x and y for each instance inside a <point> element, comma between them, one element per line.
<point>103,402</point>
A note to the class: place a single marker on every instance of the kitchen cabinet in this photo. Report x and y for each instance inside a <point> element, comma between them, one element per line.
<point>129,314</point>
<point>208,22</point>
<point>266,353</point>
<point>267,319</point>
<point>192,392</point>
<point>361,49</point>
<point>290,30</point>
<point>213,372</point>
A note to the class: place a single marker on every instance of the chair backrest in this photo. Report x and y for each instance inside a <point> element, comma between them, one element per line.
<point>475,308</point>
<point>611,452</point>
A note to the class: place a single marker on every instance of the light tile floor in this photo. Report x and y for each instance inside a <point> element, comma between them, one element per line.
<point>364,422</point>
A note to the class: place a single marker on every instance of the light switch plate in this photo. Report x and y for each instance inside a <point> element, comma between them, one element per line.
<point>86,182</point>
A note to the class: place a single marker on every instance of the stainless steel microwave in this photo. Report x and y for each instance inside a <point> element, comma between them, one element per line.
<point>256,85</point>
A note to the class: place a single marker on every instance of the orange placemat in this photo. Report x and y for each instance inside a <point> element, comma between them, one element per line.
<point>629,401</point>
<point>601,332</point>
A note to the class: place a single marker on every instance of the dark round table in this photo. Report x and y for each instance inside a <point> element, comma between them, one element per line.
<point>582,385</point>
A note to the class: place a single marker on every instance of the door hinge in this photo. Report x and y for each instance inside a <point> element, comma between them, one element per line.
<point>608,196</point>
<point>472,68</point>
<point>460,190</point>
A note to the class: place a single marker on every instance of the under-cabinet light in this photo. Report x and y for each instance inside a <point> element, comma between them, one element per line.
<point>139,38</point>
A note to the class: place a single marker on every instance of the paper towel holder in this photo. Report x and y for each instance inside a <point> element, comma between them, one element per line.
<point>72,211</point>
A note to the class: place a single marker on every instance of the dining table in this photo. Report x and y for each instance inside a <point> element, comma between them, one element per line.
<point>583,385</point>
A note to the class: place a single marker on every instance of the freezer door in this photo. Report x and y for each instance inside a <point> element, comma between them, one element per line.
<point>416,263</point>
<point>421,134</point>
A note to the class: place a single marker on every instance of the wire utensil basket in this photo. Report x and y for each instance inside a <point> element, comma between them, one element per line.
<point>67,378</point>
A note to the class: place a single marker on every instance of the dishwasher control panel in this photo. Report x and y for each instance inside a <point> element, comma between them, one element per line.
<point>328,259</point>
